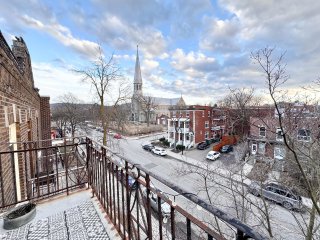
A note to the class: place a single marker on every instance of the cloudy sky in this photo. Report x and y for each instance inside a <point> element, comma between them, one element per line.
<point>196,48</point>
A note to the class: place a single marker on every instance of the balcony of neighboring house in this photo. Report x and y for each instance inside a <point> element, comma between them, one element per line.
<point>83,190</point>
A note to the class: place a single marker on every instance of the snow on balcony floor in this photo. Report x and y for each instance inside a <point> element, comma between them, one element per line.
<point>76,216</point>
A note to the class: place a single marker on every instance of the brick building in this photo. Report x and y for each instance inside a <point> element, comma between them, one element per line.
<point>302,128</point>
<point>24,116</point>
<point>189,125</point>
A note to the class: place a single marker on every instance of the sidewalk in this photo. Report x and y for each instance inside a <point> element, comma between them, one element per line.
<point>239,177</point>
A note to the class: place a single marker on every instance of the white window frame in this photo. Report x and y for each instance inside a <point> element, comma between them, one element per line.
<point>265,131</point>
<point>279,153</point>
<point>279,134</point>
<point>254,148</point>
<point>206,124</point>
<point>261,148</point>
<point>306,137</point>
<point>206,135</point>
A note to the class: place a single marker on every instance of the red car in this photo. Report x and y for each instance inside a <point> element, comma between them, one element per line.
<point>117,136</point>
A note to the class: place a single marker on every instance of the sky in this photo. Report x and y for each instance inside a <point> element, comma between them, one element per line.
<point>195,48</point>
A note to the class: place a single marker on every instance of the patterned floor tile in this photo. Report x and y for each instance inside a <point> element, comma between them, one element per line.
<point>78,223</point>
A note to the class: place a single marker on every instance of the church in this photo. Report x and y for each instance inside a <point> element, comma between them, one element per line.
<point>157,108</point>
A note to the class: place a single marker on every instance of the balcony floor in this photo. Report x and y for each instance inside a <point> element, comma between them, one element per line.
<point>77,216</point>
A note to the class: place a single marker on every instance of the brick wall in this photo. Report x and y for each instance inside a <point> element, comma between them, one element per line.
<point>20,106</point>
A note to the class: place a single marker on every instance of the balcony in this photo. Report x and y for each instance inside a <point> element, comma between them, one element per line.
<point>136,210</point>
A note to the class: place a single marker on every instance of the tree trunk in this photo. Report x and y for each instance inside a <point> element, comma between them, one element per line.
<point>103,121</point>
<point>311,224</point>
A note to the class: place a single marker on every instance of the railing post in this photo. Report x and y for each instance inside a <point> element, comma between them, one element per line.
<point>148,210</point>
<point>66,163</point>
<point>240,235</point>
<point>87,161</point>
<point>128,202</point>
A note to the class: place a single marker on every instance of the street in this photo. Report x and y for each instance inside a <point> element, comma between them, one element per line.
<point>284,223</point>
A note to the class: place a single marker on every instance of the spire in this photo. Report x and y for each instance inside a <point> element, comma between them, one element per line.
<point>137,71</point>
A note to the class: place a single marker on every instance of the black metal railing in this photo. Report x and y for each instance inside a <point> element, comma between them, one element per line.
<point>29,171</point>
<point>136,207</point>
<point>126,190</point>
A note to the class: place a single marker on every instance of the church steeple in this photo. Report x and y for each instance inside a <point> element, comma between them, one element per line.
<point>137,82</point>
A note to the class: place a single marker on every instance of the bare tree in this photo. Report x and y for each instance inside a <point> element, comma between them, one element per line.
<point>148,105</point>
<point>73,111</point>
<point>59,117</point>
<point>299,124</point>
<point>101,74</point>
<point>238,105</point>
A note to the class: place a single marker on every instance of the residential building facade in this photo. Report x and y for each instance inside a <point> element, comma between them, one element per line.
<point>190,125</point>
<point>24,116</point>
<point>302,129</point>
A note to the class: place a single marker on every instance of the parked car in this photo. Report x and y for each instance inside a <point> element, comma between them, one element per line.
<point>277,193</point>
<point>117,136</point>
<point>165,207</point>
<point>159,151</point>
<point>212,155</point>
<point>148,147</point>
<point>131,181</point>
<point>203,145</point>
<point>226,149</point>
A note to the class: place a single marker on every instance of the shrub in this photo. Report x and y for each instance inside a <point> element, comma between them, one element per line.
<point>180,147</point>
<point>166,143</point>
<point>162,139</point>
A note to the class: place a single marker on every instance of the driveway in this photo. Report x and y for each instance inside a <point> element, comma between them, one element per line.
<point>225,159</point>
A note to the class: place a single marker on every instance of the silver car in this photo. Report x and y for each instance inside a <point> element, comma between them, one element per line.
<point>165,207</point>
<point>277,193</point>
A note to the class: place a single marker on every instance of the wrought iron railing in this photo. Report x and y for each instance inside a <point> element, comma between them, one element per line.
<point>126,190</point>
<point>29,171</point>
<point>136,206</point>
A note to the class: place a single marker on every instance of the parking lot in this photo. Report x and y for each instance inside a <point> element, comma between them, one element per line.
<point>225,159</point>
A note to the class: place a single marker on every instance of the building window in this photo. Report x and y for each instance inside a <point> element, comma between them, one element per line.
<point>187,124</point>
<point>261,148</point>
<point>262,131</point>
<point>206,124</point>
<point>208,113</point>
<point>171,135</point>
<point>279,153</point>
<point>304,135</point>
<point>202,113</point>
<point>187,114</point>
<point>279,135</point>
<point>206,135</point>
<point>187,137</point>
<point>181,136</point>
<point>254,148</point>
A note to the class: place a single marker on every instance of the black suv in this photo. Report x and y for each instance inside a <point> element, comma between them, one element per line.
<point>148,147</point>
<point>203,145</point>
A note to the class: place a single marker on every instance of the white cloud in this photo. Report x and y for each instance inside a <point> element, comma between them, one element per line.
<point>64,36</point>
<point>55,81</point>
<point>220,35</point>
<point>193,64</point>
<point>123,35</point>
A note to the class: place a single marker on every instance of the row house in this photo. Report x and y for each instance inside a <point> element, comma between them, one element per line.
<point>190,125</point>
<point>266,137</point>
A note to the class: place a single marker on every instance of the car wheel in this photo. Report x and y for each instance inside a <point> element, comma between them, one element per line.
<point>287,205</point>
<point>255,192</point>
